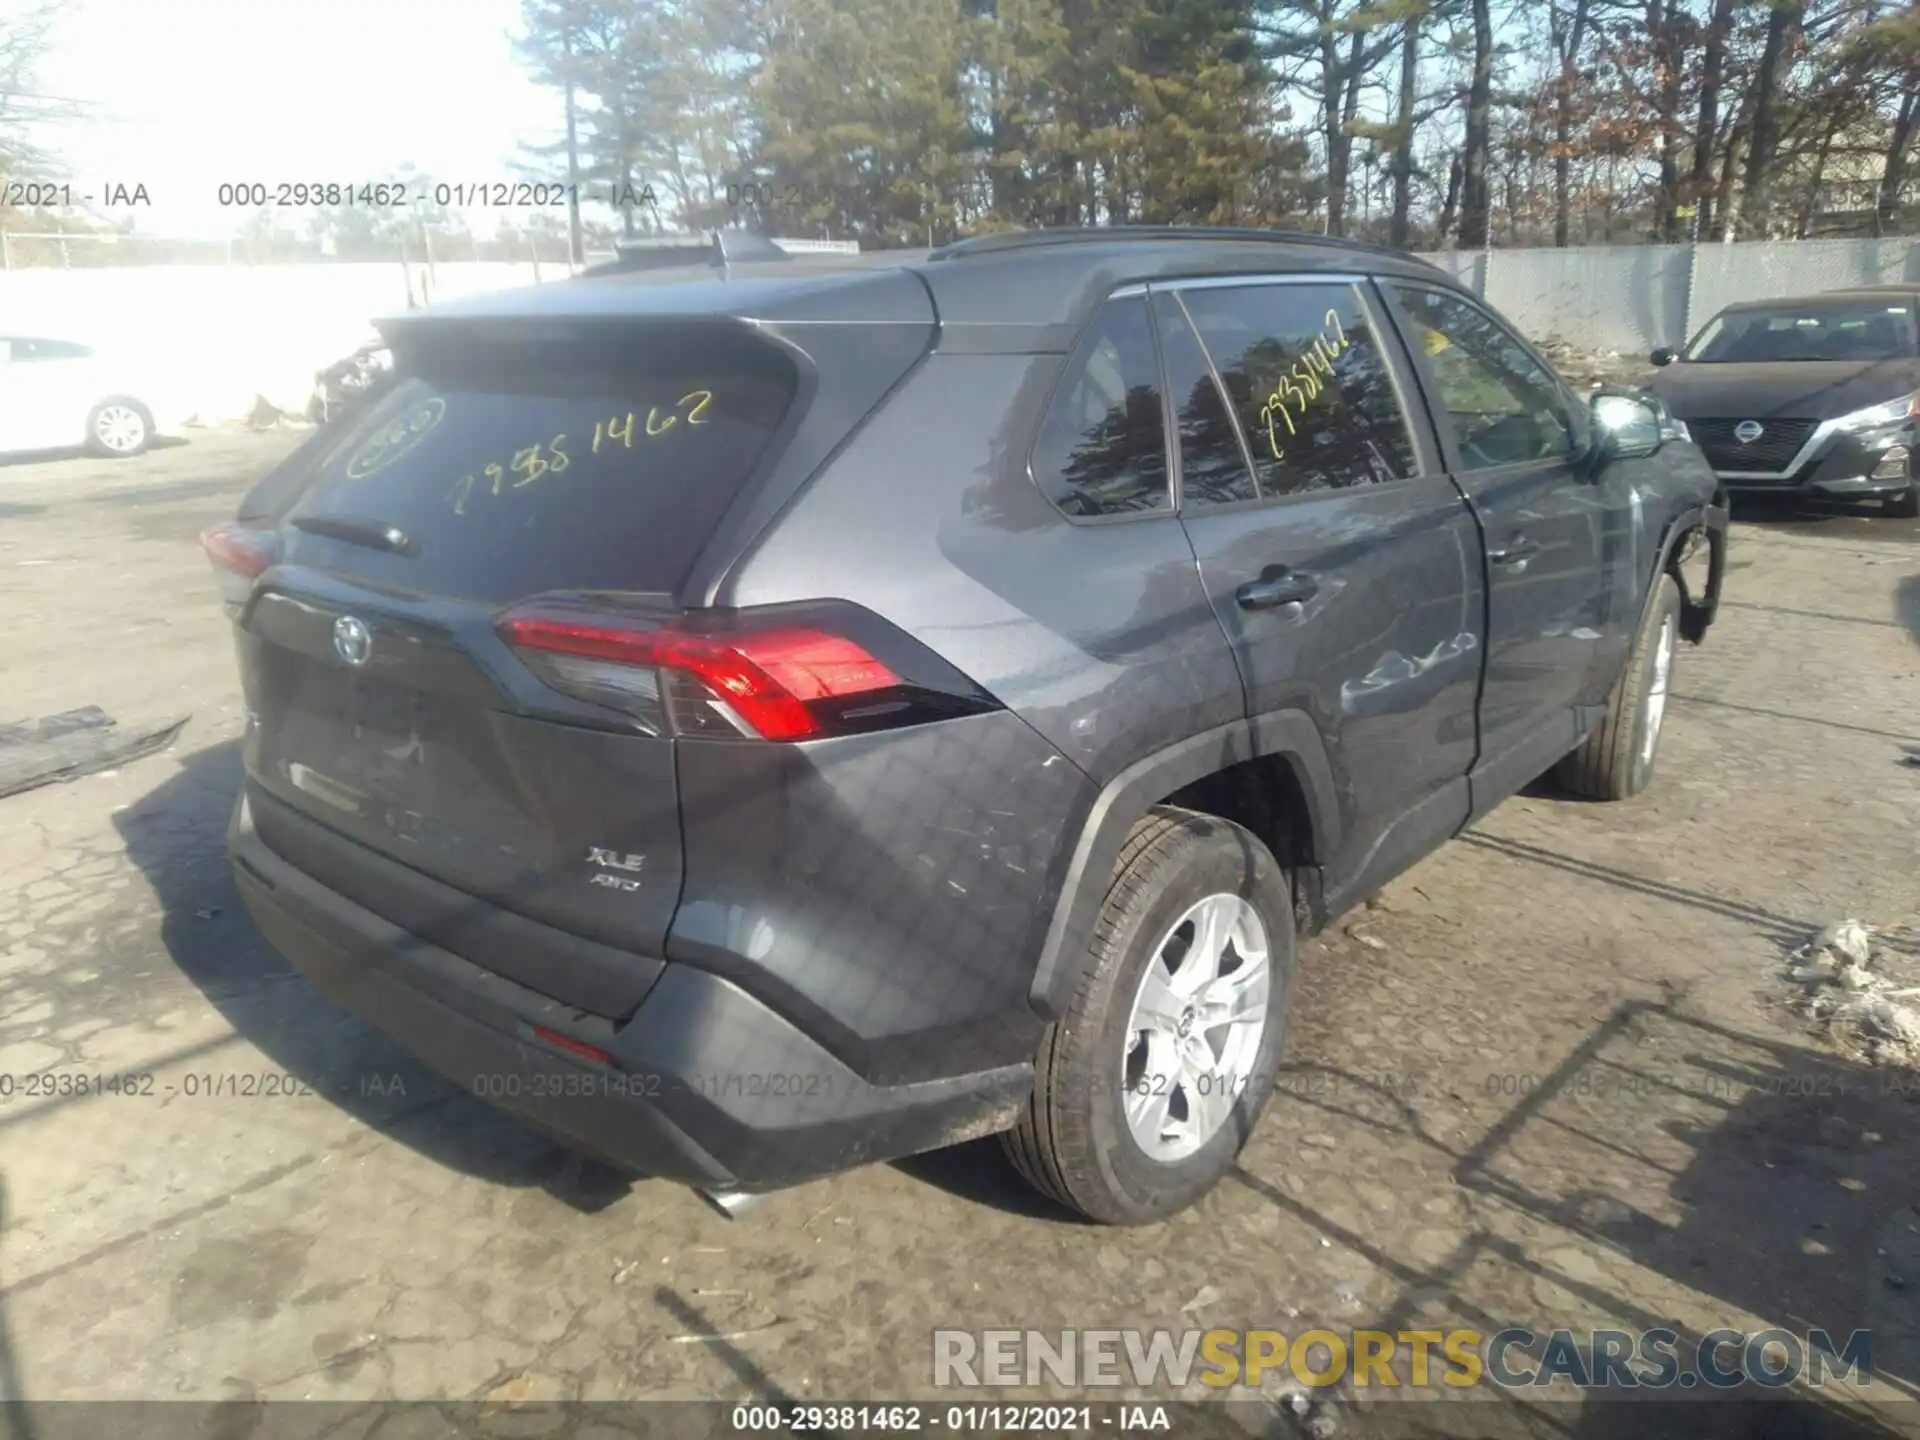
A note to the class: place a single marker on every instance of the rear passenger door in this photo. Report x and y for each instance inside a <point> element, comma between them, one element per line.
<point>1515,440</point>
<point>1342,564</point>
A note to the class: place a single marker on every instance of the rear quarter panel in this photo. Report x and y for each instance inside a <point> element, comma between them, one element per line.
<point>910,878</point>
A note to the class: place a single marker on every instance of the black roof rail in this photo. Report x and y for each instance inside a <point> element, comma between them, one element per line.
<point>1096,234</point>
<point>719,248</point>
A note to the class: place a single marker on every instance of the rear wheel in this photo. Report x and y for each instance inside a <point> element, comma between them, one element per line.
<point>119,426</point>
<point>1905,505</point>
<point>1616,760</point>
<point>1149,1085</point>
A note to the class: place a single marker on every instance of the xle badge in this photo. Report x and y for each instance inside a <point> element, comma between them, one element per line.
<point>610,860</point>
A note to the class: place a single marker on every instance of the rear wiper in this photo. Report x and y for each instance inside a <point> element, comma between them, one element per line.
<point>376,534</point>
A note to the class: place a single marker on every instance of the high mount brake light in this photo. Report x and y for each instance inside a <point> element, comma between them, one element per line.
<point>780,682</point>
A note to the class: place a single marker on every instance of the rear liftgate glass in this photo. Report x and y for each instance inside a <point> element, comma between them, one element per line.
<point>458,647</point>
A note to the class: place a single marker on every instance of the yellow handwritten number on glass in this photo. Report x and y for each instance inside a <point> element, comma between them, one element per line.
<point>529,464</point>
<point>1303,382</point>
<point>1339,331</point>
<point>1267,412</point>
<point>532,465</point>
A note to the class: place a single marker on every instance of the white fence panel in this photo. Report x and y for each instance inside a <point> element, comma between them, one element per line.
<point>1630,298</point>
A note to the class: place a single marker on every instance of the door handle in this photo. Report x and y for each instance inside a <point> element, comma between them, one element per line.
<point>1288,587</point>
<point>1517,553</point>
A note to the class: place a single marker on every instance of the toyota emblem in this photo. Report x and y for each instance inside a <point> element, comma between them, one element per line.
<point>1748,431</point>
<point>352,641</point>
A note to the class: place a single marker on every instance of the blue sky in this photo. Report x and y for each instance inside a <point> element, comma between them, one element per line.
<point>191,93</point>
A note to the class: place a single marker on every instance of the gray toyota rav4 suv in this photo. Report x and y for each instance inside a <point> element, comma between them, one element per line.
<point>754,721</point>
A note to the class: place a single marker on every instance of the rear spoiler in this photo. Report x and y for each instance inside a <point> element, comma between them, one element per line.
<point>721,249</point>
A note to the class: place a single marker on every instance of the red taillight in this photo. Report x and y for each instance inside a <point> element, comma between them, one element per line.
<point>239,554</point>
<point>766,678</point>
<point>233,547</point>
<point>573,1046</point>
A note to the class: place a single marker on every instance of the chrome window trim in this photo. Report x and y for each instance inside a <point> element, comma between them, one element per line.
<point>1374,306</point>
<point>1372,310</point>
<point>1226,282</point>
<point>1173,412</point>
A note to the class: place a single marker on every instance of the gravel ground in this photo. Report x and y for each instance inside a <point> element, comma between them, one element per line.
<point>1546,1078</point>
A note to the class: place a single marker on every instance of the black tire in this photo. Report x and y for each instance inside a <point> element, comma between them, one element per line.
<point>1073,1142</point>
<point>1905,505</point>
<point>97,445</point>
<point>1616,761</point>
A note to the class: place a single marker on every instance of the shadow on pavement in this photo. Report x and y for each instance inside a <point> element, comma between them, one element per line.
<point>1830,519</point>
<point>176,835</point>
<point>80,452</point>
<point>1788,1194</point>
<point>979,1173</point>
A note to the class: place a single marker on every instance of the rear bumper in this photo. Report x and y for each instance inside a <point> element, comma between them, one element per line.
<point>708,1085</point>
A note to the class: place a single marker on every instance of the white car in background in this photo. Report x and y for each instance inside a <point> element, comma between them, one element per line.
<point>56,394</point>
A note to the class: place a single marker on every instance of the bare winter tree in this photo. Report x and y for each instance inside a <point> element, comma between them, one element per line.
<point>1569,121</point>
<point>26,35</point>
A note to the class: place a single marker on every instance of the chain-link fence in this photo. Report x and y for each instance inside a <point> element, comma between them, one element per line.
<point>1631,298</point>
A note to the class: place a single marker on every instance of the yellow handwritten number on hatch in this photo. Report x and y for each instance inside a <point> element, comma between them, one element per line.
<point>620,427</point>
<point>550,457</point>
<point>1303,382</point>
<point>528,464</point>
<point>393,440</point>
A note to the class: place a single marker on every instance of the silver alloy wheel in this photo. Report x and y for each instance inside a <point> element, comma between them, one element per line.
<point>1657,691</point>
<point>1195,1029</point>
<point>120,428</point>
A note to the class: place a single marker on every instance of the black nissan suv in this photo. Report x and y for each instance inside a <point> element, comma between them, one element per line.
<point>750,721</point>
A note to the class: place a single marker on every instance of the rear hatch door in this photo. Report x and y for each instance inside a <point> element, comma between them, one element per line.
<point>383,706</point>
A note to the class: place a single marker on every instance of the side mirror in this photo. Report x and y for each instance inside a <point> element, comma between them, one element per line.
<point>1663,356</point>
<point>1625,427</point>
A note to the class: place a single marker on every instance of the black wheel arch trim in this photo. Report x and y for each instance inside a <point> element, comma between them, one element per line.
<point>1696,611</point>
<point>1136,790</point>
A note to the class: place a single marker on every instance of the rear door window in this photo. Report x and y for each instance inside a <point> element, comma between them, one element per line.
<point>513,478</point>
<point>1102,449</point>
<point>1310,383</point>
